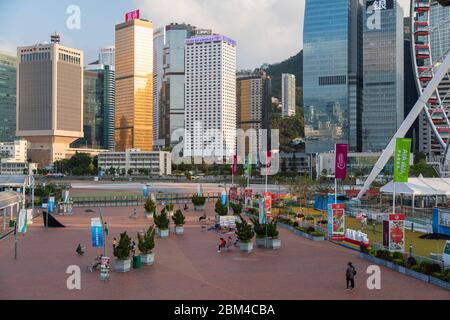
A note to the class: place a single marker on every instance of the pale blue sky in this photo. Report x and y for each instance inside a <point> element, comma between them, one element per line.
<point>266,30</point>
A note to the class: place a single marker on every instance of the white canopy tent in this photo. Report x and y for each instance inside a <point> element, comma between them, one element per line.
<point>420,187</point>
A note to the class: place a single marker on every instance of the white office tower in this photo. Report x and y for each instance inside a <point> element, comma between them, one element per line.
<point>288,94</point>
<point>107,56</point>
<point>210,97</point>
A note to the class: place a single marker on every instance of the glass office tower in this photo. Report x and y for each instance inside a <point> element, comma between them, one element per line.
<point>331,74</point>
<point>7,97</point>
<point>383,66</point>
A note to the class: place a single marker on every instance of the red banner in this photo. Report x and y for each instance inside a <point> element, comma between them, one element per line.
<point>133,15</point>
<point>268,202</point>
<point>234,166</point>
<point>341,161</point>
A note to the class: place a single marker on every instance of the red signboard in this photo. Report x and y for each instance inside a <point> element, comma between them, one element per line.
<point>268,202</point>
<point>133,15</point>
<point>336,222</point>
<point>396,232</point>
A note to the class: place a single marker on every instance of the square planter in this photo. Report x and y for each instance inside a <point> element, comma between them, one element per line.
<point>261,242</point>
<point>440,283</point>
<point>199,208</point>
<point>122,265</point>
<point>179,230</point>
<point>226,221</point>
<point>163,233</point>
<point>418,275</point>
<point>148,259</point>
<point>274,244</point>
<point>246,247</point>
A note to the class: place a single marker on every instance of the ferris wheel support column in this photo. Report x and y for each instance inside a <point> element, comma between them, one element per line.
<point>406,125</point>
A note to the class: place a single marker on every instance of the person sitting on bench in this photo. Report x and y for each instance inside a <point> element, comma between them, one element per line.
<point>80,250</point>
<point>222,245</point>
<point>202,218</point>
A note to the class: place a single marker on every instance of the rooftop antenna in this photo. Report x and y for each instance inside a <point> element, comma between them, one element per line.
<point>55,38</point>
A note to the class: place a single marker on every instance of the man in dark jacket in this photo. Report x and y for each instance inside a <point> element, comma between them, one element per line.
<point>350,275</point>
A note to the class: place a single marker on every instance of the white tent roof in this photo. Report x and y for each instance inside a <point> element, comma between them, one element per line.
<point>420,187</point>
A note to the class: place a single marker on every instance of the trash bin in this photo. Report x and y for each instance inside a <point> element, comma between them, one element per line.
<point>137,263</point>
<point>11,223</point>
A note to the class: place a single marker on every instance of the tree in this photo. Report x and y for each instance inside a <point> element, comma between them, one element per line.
<point>302,186</point>
<point>422,168</point>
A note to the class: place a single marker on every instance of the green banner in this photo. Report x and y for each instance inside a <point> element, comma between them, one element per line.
<point>402,160</point>
<point>249,165</point>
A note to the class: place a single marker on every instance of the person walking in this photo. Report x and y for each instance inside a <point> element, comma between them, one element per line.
<point>105,227</point>
<point>114,243</point>
<point>133,248</point>
<point>350,275</point>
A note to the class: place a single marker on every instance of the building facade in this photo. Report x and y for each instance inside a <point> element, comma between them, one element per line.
<point>135,161</point>
<point>295,163</point>
<point>134,85</point>
<point>332,81</point>
<point>383,74</point>
<point>210,96</point>
<point>107,56</point>
<point>49,99</point>
<point>254,105</point>
<point>288,95</point>
<point>7,96</point>
<point>16,150</point>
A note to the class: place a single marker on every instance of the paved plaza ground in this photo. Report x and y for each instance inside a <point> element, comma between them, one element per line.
<point>189,268</point>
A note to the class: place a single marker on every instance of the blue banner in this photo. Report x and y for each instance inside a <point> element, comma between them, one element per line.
<point>51,205</point>
<point>224,198</point>
<point>97,233</point>
<point>145,191</point>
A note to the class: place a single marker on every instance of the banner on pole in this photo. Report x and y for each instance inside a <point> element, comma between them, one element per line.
<point>224,198</point>
<point>262,210</point>
<point>341,161</point>
<point>234,166</point>
<point>22,221</point>
<point>51,205</point>
<point>402,160</point>
<point>336,221</point>
<point>233,193</point>
<point>97,232</point>
<point>268,204</point>
<point>249,165</point>
<point>145,191</point>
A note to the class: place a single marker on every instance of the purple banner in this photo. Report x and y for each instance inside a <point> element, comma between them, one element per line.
<point>341,161</point>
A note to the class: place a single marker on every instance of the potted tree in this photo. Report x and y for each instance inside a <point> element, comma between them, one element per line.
<point>122,253</point>
<point>179,220</point>
<point>245,234</point>
<point>146,245</point>
<point>260,231</point>
<point>237,208</point>
<point>150,207</point>
<point>169,209</point>
<point>199,202</point>
<point>162,223</point>
<point>273,241</point>
<point>221,210</point>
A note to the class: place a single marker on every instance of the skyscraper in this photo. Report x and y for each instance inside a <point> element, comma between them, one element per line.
<point>159,41</point>
<point>134,85</point>
<point>210,96</point>
<point>288,100</point>
<point>254,104</point>
<point>383,66</point>
<point>7,97</point>
<point>49,99</point>
<point>332,84</point>
<point>107,56</point>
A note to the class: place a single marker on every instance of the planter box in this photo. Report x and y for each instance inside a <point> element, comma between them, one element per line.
<point>226,221</point>
<point>417,275</point>
<point>148,259</point>
<point>440,283</point>
<point>274,244</point>
<point>122,265</point>
<point>246,247</point>
<point>148,215</point>
<point>162,233</point>
<point>199,208</point>
<point>179,230</point>
<point>261,242</point>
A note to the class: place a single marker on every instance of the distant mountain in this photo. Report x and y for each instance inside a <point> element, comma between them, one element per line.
<point>293,65</point>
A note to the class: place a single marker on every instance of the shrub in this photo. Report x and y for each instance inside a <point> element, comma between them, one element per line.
<point>198,200</point>
<point>440,276</point>
<point>397,256</point>
<point>253,211</point>
<point>150,206</point>
<point>399,262</point>
<point>310,230</point>
<point>179,219</point>
<point>411,262</point>
<point>272,231</point>
<point>147,241</point>
<point>123,249</point>
<point>363,249</point>
<point>244,231</point>
<point>309,218</point>
<point>161,220</point>
<point>169,207</point>
<point>316,234</point>
<point>416,268</point>
<point>430,268</point>
<point>373,252</point>
<point>384,254</point>
<point>221,210</point>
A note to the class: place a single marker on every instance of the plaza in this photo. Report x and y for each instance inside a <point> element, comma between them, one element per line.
<point>188,267</point>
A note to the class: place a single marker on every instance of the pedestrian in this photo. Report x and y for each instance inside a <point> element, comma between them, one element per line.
<point>350,275</point>
<point>105,227</point>
<point>133,248</point>
<point>296,220</point>
<point>114,243</point>
<point>222,244</point>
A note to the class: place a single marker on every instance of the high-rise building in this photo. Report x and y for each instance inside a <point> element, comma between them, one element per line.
<point>107,56</point>
<point>49,99</point>
<point>7,97</point>
<point>169,73</point>
<point>98,115</point>
<point>134,85</point>
<point>254,104</point>
<point>210,96</point>
<point>332,82</point>
<point>288,95</point>
<point>383,74</point>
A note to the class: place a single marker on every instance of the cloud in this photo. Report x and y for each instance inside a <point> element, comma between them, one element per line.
<point>8,47</point>
<point>267,31</point>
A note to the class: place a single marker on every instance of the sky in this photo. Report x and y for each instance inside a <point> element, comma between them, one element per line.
<point>267,31</point>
